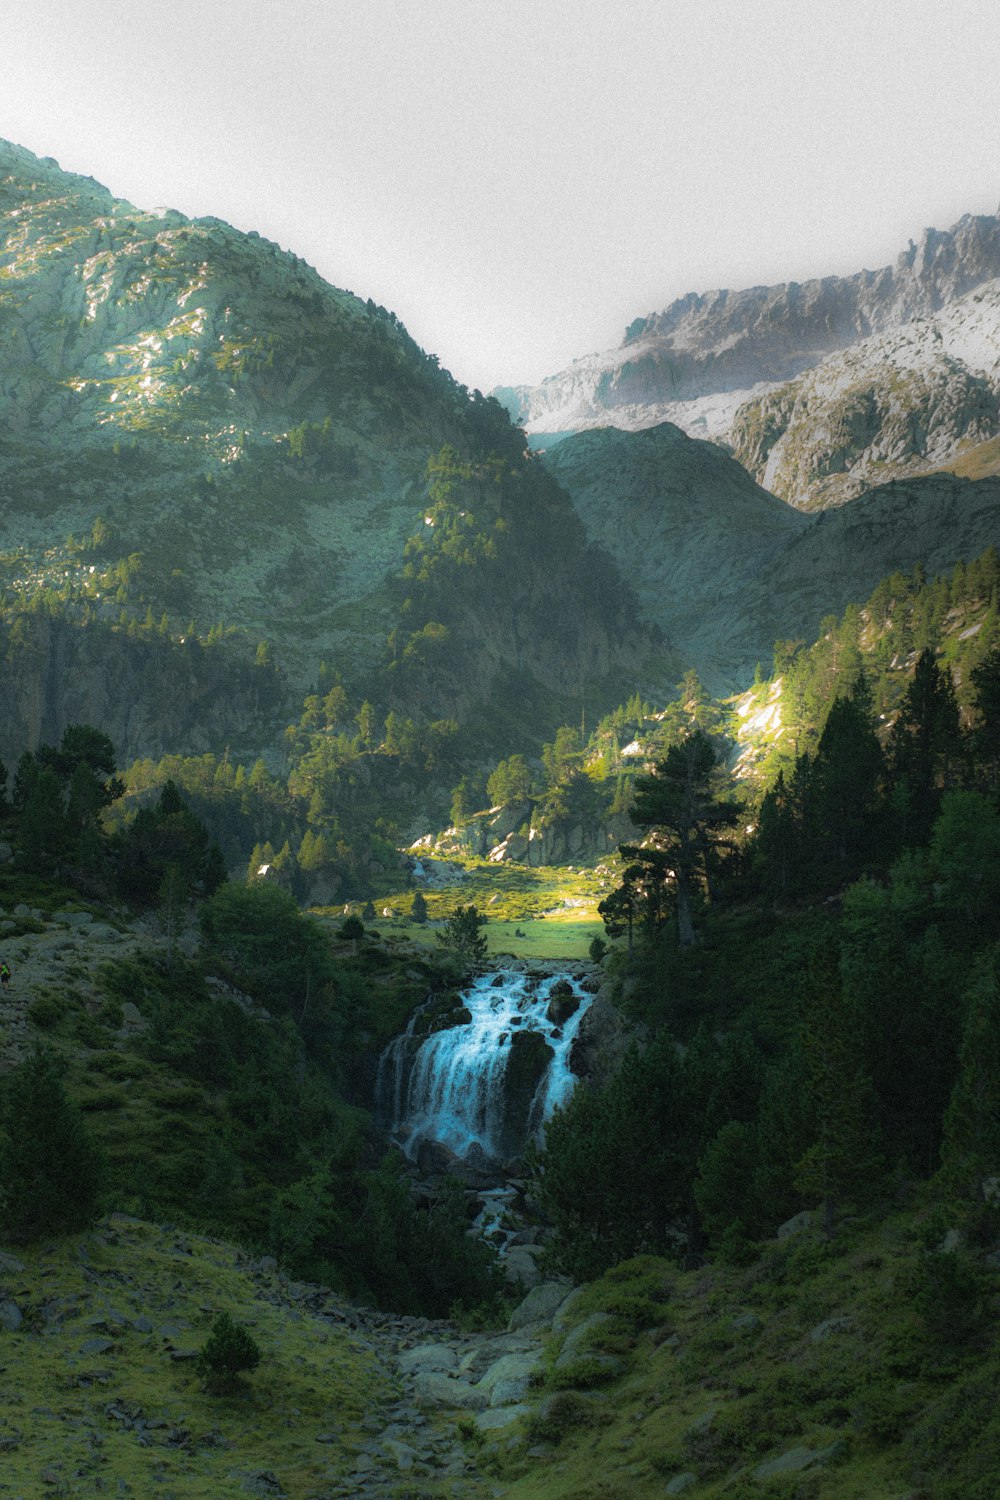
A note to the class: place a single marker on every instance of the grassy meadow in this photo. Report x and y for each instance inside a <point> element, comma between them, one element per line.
<point>544,913</point>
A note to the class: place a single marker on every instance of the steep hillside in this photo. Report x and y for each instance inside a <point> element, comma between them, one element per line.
<point>916,398</point>
<point>196,409</point>
<point>686,525</point>
<point>726,569</point>
<point>696,362</point>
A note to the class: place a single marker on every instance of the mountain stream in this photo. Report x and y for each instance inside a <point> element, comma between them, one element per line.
<point>484,1087</point>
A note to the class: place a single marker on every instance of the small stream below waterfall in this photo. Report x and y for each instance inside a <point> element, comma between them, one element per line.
<point>484,1088</point>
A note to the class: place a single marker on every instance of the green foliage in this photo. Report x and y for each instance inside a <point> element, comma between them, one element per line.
<point>228,1351</point>
<point>463,937</point>
<point>277,953</point>
<point>681,805</point>
<point>50,1169</point>
<point>510,782</point>
<point>971,1149</point>
<point>166,843</point>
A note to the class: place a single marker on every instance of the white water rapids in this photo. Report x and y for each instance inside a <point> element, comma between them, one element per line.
<point>454,1086</point>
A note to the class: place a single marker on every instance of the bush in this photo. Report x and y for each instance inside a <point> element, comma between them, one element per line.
<point>46,1012</point>
<point>228,1351</point>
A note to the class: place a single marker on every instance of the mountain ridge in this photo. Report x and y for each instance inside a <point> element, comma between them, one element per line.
<point>698,360</point>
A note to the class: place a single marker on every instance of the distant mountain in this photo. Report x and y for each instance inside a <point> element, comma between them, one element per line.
<point>698,361</point>
<point>898,403</point>
<point>195,419</point>
<point>726,569</point>
<point>687,526</point>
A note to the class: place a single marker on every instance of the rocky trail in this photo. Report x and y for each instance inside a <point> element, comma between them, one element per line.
<point>98,1341</point>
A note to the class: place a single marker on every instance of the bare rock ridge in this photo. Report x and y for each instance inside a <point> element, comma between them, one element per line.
<point>697,362</point>
<point>917,397</point>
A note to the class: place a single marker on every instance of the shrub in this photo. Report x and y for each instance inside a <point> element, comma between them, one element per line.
<point>46,1012</point>
<point>228,1351</point>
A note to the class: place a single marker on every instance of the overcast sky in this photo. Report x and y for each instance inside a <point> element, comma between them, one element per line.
<point>516,180</point>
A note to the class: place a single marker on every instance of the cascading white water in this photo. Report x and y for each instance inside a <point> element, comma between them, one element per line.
<point>455,1087</point>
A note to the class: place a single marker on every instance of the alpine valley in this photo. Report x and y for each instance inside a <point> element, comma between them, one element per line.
<point>499,896</point>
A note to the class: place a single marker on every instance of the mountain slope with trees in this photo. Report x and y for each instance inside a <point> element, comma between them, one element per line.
<point>201,436</point>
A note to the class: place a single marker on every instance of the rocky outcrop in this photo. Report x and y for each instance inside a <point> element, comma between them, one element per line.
<point>150,695</point>
<point>698,360</point>
<point>893,405</point>
<point>508,835</point>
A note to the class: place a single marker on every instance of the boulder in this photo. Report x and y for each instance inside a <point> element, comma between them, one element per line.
<point>681,1483</point>
<point>521,1267</point>
<point>509,1379</point>
<point>800,1458</point>
<point>436,1391</point>
<point>11,1317</point>
<point>582,1338</point>
<point>539,1306</point>
<point>528,1059</point>
<point>563,1003</point>
<point>499,1416</point>
<point>795,1225</point>
<point>427,1357</point>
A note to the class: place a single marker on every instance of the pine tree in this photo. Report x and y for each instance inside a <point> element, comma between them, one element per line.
<point>461,935</point>
<point>927,748</point>
<point>970,1154</point>
<point>50,1170</point>
<point>843,1161</point>
<point>686,817</point>
<point>844,806</point>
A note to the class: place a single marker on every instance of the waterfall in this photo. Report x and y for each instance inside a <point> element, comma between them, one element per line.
<point>484,1088</point>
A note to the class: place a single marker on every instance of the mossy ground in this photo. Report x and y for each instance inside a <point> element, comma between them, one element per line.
<point>815,1345</point>
<point>132,1419</point>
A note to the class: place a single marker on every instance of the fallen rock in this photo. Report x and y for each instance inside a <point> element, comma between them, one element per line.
<point>499,1416</point>
<point>427,1357</point>
<point>521,1266</point>
<point>800,1458</point>
<point>580,1340</point>
<point>11,1317</point>
<point>509,1378</point>
<point>540,1305</point>
<point>439,1392</point>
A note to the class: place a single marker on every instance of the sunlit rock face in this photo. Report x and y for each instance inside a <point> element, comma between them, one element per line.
<point>706,355</point>
<point>919,397</point>
<point>213,401</point>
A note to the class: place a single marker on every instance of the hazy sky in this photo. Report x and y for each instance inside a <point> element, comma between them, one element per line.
<point>518,180</point>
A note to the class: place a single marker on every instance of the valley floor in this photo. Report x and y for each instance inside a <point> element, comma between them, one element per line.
<point>775,1380</point>
<point>544,913</point>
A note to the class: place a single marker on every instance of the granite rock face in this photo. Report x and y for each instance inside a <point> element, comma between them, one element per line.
<point>895,405</point>
<point>696,362</point>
